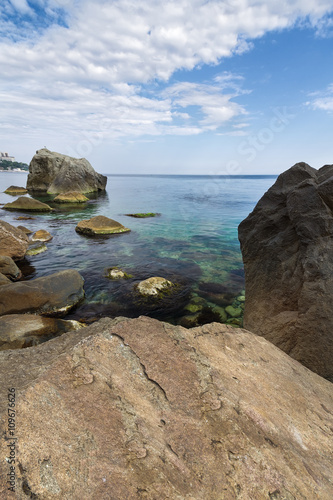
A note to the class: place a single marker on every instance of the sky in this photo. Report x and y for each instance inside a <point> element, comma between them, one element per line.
<point>209,87</point>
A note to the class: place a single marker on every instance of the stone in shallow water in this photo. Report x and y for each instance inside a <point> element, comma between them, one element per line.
<point>71,197</point>
<point>100,225</point>
<point>15,190</point>
<point>28,205</point>
<point>36,248</point>
<point>41,235</point>
<point>154,286</point>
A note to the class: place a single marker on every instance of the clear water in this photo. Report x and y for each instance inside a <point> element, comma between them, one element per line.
<point>193,242</point>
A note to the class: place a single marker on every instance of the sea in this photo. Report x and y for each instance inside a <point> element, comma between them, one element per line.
<point>193,242</point>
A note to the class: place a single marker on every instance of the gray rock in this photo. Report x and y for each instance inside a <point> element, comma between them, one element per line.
<point>53,294</point>
<point>287,246</point>
<point>57,173</point>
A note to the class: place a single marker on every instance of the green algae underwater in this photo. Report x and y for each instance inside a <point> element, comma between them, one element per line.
<point>192,242</point>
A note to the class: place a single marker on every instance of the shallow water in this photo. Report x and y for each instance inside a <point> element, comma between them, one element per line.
<point>193,242</point>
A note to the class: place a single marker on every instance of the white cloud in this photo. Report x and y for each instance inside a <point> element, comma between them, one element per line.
<point>322,100</point>
<point>112,62</point>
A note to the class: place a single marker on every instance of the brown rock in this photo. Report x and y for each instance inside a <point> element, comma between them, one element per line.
<point>41,235</point>
<point>287,246</point>
<point>154,286</point>
<point>4,280</point>
<point>15,190</point>
<point>100,225</point>
<point>71,197</point>
<point>13,241</point>
<point>24,229</point>
<point>53,294</point>
<point>138,409</point>
<point>9,268</point>
<point>24,330</point>
<point>28,205</point>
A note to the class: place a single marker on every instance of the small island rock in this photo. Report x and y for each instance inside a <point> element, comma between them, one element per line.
<point>56,173</point>
<point>13,241</point>
<point>100,225</point>
<point>41,235</point>
<point>15,190</point>
<point>27,205</point>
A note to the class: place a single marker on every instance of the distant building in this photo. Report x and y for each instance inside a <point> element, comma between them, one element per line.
<point>6,157</point>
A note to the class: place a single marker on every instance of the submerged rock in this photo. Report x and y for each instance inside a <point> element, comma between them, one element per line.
<point>24,330</point>
<point>57,173</point>
<point>100,225</point>
<point>71,197</point>
<point>53,294</point>
<point>36,248</point>
<point>15,190</point>
<point>41,235</point>
<point>287,246</point>
<point>28,205</point>
<point>115,273</point>
<point>134,409</point>
<point>9,268</point>
<point>13,241</point>
<point>154,286</point>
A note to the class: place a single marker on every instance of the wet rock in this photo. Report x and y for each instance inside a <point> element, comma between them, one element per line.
<point>234,312</point>
<point>115,273</point>
<point>15,190</point>
<point>13,241</point>
<point>287,246</point>
<point>57,173</point>
<point>71,197</point>
<point>25,229</point>
<point>36,249</point>
<point>140,408</point>
<point>100,225</point>
<point>154,286</point>
<point>24,330</point>
<point>41,235</point>
<point>53,294</point>
<point>28,205</point>
<point>9,268</point>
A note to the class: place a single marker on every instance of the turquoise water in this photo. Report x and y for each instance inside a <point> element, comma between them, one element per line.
<point>193,242</point>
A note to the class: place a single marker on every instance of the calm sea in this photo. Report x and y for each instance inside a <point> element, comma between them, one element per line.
<point>192,242</point>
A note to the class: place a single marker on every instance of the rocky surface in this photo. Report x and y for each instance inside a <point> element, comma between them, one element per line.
<point>13,241</point>
<point>154,286</point>
<point>24,330</point>
<point>27,205</point>
<point>14,190</point>
<point>9,268</point>
<point>53,294</point>
<point>4,280</point>
<point>57,173</point>
<point>41,235</point>
<point>140,409</point>
<point>287,246</point>
<point>71,197</point>
<point>100,225</point>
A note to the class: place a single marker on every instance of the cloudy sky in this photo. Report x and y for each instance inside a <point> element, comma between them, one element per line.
<point>158,86</point>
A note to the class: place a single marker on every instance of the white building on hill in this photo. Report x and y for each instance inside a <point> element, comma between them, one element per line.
<point>6,157</point>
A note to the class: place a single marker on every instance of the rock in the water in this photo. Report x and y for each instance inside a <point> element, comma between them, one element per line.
<point>36,248</point>
<point>27,205</point>
<point>154,286</point>
<point>9,268</point>
<point>13,241</point>
<point>100,225</point>
<point>287,246</point>
<point>24,330</point>
<point>134,409</point>
<point>25,229</point>
<point>41,235</point>
<point>15,190</point>
<point>57,173</point>
<point>53,294</point>
<point>71,197</point>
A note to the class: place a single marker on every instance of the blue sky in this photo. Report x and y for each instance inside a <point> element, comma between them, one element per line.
<point>180,87</point>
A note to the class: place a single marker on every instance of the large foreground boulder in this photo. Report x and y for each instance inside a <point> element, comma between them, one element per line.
<point>9,268</point>
<point>13,241</point>
<point>287,247</point>
<point>138,409</point>
<point>53,294</point>
<point>57,173</point>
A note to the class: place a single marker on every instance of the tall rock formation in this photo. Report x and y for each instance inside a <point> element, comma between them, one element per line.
<point>56,173</point>
<point>140,409</point>
<point>287,247</point>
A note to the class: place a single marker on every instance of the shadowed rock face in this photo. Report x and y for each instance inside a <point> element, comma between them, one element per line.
<point>133,409</point>
<point>287,247</point>
<point>13,241</point>
<point>56,173</point>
